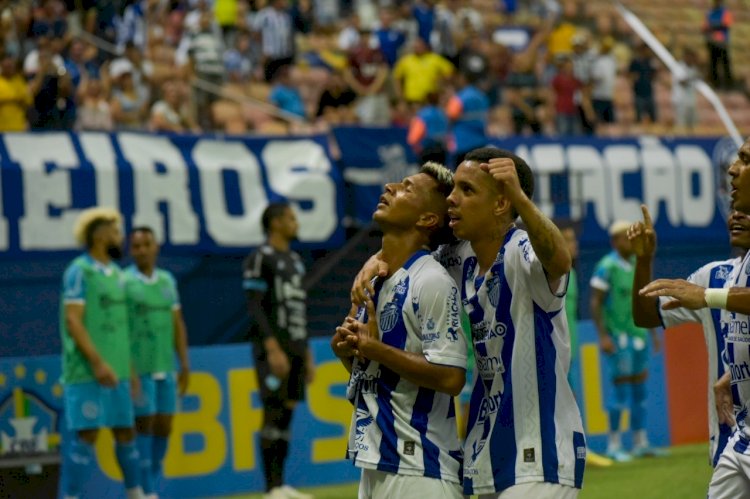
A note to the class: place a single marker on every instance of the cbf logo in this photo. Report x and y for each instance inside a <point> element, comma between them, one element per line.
<point>29,411</point>
<point>389,317</point>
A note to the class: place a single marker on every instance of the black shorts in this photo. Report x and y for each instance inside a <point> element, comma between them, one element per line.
<point>291,388</point>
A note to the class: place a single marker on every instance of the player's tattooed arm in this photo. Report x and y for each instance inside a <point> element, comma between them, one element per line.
<point>546,239</point>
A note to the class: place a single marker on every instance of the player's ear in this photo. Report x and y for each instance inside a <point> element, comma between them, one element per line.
<point>502,206</point>
<point>428,220</point>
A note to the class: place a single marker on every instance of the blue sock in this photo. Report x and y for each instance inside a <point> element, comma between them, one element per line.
<point>145,442</point>
<point>620,403</point>
<point>158,451</point>
<point>78,463</point>
<point>127,457</point>
<point>638,407</point>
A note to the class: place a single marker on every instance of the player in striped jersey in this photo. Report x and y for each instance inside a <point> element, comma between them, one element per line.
<point>647,312</point>
<point>411,353</point>
<point>731,478</point>
<point>96,353</point>
<point>525,436</point>
<point>157,331</point>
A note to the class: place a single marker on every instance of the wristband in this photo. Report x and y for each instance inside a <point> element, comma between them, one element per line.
<point>716,297</point>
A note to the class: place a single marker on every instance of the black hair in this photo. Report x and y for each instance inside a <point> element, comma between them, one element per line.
<point>525,176</point>
<point>142,228</point>
<point>272,212</point>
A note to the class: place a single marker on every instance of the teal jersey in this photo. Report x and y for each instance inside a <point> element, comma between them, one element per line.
<point>614,276</point>
<point>100,289</point>
<point>571,311</point>
<point>151,305</point>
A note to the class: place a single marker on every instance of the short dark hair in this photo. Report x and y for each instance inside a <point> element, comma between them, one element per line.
<point>272,212</point>
<point>525,176</point>
<point>444,179</point>
<point>142,228</point>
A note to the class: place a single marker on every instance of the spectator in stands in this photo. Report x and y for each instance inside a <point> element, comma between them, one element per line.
<point>54,108</point>
<point>524,95</point>
<point>15,98</point>
<point>467,110</point>
<point>140,67</point>
<point>349,35</point>
<point>44,44</point>
<point>428,131</point>
<point>423,12</point>
<point>560,41</point>
<point>49,20</point>
<point>171,113</point>
<point>132,27</point>
<point>683,91</point>
<point>390,40</point>
<point>241,59</point>
<point>303,16</point>
<point>81,61</point>
<point>367,73</point>
<point>284,95</point>
<point>604,73</point>
<point>472,60</point>
<point>94,112</point>
<point>642,72</point>
<point>716,29</point>
<point>205,51</point>
<point>583,63</point>
<point>226,13</point>
<point>336,102</point>
<point>276,29</point>
<point>11,25</point>
<point>565,85</point>
<point>420,73</point>
<point>130,100</point>
<point>443,37</point>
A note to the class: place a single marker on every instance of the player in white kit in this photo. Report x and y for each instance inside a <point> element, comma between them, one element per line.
<point>731,478</point>
<point>406,353</point>
<point>647,311</point>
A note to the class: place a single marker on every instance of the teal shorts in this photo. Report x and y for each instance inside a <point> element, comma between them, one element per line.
<point>158,394</point>
<point>630,357</point>
<point>90,406</point>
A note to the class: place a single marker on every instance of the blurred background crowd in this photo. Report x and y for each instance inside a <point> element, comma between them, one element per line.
<point>281,66</point>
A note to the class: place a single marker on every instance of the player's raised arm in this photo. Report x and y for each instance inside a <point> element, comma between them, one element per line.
<point>642,238</point>
<point>546,239</point>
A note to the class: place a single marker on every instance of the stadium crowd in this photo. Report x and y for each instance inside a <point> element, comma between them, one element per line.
<point>278,66</point>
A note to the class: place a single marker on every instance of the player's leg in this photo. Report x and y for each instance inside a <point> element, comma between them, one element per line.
<point>620,368</point>
<point>639,396</point>
<point>83,418</point>
<point>384,485</point>
<point>121,418</point>
<point>145,406</point>
<point>166,406</point>
<point>731,478</point>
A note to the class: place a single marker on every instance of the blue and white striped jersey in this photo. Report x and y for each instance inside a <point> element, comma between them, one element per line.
<point>397,426</point>
<point>712,275</point>
<point>736,328</point>
<point>524,425</point>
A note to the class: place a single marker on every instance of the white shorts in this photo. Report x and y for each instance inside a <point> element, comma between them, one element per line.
<point>537,490</point>
<point>376,484</point>
<point>731,478</point>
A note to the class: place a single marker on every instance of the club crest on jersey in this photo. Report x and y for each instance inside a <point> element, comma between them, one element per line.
<point>400,288</point>
<point>722,273</point>
<point>430,324</point>
<point>747,268</point>
<point>389,317</point>
<point>493,289</point>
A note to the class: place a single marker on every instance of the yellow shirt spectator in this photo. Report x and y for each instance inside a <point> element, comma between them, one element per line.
<point>15,99</point>
<point>561,39</point>
<point>421,74</point>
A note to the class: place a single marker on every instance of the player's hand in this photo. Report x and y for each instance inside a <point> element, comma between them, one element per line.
<point>683,293</point>
<point>104,374</point>
<point>278,362</point>
<point>367,334</point>
<point>183,381</point>
<point>642,236</point>
<point>723,400</point>
<point>340,346</point>
<point>503,170</point>
<point>362,286</point>
<point>607,345</point>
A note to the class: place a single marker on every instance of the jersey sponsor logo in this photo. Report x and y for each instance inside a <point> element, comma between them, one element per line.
<point>529,455</point>
<point>490,405</point>
<point>740,372</point>
<point>452,335</point>
<point>363,421</point>
<point>581,452</point>
<point>737,329</point>
<point>90,410</point>
<point>723,272</point>
<point>489,366</point>
<point>409,448</point>
<point>430,337</point>
<point>451,260</point>
<point>389,317</point>
<point>430,324</point>
<point>483,332</point>
<point>400,288</point>
<point>524,245</point>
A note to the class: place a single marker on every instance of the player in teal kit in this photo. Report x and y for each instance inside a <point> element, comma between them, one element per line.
<point>96,353</point>
<point>625,344</point>
<point>157,331</point>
